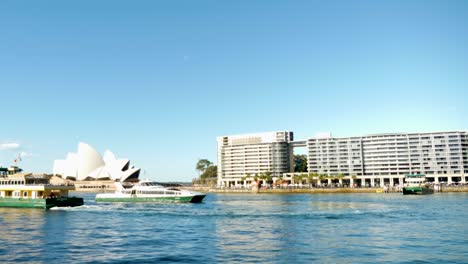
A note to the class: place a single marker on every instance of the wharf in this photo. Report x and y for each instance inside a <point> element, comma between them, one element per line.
<point>313,190</point>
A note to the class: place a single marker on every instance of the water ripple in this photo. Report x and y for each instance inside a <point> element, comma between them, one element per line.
<point>301,228</point>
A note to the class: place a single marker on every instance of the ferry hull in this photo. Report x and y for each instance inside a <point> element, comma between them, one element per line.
<point>417,190</point>
<point>41,203</point>
<point>178,199</point>
<point>198,198</point>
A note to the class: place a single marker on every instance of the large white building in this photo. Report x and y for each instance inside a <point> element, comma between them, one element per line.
<point>251,154</point>
<point>87,164</point>
<point>366,160</point>
<point>387,158</point>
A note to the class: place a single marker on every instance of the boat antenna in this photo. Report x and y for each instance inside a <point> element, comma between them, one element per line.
<point>18,159</point>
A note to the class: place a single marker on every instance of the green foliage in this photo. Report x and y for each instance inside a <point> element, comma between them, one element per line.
<point>300,163</point>
<point>268,177</point>
<point>203,165</point>
<point>297,178</point>
<point>323,176</point>
<point>312,177</point>
<point>210,172</point>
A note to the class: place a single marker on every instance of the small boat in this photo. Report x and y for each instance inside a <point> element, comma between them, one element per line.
<point>34,191</point>
<point>417,184</point>
<point>148,191</point>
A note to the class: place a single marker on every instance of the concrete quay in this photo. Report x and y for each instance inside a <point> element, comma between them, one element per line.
<point>463,188</point>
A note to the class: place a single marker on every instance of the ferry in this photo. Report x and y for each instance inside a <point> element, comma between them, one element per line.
<point>148,191</point>
<point>417,184</point>
<point>33,191</point>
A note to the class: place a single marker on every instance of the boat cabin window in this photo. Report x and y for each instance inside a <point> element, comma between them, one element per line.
<point>149,184</point>
<point>151,192</point>
<point>25,194</point>
<point>146,184</point>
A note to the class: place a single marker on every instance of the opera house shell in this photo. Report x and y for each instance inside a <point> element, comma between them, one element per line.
<point>87,164</point>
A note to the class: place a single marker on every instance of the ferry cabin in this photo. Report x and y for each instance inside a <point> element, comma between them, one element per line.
<point>31,187</point>
<point>415,179</point>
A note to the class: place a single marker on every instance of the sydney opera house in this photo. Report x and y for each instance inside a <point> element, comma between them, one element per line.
<point>88,165</point>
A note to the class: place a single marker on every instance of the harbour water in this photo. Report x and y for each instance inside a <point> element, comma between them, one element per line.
<point>244,228</point>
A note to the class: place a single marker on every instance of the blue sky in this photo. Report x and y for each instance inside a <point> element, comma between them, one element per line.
<point>158,81</point>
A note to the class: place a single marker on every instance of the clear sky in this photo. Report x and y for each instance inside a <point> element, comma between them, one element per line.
<point>158,81</point>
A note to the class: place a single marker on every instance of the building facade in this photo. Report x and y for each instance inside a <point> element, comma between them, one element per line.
<point>241,156</point>
<point>371,160</point>
<point>386,158</point>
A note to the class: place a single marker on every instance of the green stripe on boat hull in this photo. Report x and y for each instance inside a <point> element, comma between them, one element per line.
<point>23,203</point>
<point>41,203</point>
<point>417,190</point>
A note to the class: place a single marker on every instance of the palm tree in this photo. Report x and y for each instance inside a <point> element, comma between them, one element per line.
<point>279,180</point>
<point>311,178</point>
<point>322,177</point>
<point>297,178</point>
<point>354,177</point>
<point>268,177</point>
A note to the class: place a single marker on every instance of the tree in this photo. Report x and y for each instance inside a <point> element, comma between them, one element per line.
<point>322,177</point>
<point>210,172</point>
<point>202,165</point>
<point>279,180</point>
<point>300,163</point>
<point>297,178</point>
<point>268,177</point>
<point>311,178</point>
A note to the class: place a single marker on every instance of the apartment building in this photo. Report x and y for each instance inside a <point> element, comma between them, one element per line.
<point>251,154</point>
<point>386,158</point>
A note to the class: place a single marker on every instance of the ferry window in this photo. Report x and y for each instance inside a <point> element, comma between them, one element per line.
<point>25,194</point>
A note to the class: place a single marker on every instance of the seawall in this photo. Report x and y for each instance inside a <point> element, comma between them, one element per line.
<point>312,190</point>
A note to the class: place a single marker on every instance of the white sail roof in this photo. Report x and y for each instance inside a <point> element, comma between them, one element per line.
<point>88,164</point>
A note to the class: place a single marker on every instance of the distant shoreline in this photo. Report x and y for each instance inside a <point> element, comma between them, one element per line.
<point>313,190</point>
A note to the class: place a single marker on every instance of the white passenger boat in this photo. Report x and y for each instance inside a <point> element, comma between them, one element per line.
<point>148,191</point>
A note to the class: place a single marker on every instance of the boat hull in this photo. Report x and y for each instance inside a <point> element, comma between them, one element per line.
<point>417,190</point>
<point>166,199</point>
<point>41,203</point>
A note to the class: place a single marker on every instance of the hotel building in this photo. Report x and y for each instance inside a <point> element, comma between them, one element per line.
<point>365,160</point>
<point>386,158</point>
<point>251,154</point>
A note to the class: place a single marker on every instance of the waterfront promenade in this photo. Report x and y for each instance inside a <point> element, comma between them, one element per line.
<point>457,188</point>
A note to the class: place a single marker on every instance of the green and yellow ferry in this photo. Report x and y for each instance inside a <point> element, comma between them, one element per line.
<point>417,184</point>
<point>34,191</point>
